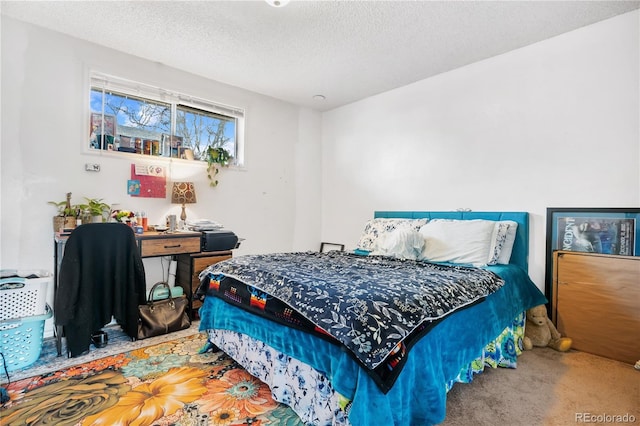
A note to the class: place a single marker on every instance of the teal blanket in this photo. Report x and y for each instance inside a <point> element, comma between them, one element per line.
<point>419,394</point>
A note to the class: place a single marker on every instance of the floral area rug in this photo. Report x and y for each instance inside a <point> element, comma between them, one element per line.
<point>177,382</point>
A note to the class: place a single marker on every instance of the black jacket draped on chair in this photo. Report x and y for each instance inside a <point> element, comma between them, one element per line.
<point>101,275</point>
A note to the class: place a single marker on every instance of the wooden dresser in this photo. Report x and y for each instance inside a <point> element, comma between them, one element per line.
<point>596,302</point>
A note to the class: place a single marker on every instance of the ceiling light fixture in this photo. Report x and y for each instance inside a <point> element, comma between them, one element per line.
<point>277,3</point>
<point>319,97</point>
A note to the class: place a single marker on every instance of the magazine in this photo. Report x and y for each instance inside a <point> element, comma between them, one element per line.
<point>597,235</point>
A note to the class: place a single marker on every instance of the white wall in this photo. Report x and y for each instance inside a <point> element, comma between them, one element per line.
<point>273,202</point>
<point>550,125</point>
<point>553,124</point>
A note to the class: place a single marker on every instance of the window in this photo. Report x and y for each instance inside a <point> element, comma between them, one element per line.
<point>135,118</point>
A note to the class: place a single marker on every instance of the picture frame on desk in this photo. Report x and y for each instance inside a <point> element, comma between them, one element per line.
<point>614,231</point>
<point>325,247</point>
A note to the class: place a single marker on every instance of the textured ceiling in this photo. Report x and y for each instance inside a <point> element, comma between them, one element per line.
<point>344,50</point>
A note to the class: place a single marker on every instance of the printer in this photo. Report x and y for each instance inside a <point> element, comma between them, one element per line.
<point>218,240</point>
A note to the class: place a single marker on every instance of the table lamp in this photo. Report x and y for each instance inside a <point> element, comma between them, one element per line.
<point>183,193</point>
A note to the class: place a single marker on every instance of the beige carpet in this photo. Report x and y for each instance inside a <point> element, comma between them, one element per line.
<point>549,388</point>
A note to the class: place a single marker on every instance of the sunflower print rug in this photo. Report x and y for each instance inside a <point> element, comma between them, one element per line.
<point>173,383</point>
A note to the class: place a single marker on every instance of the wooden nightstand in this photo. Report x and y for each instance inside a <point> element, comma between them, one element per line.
<point>190,266</point>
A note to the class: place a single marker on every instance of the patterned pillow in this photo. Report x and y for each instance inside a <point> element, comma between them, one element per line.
<point>504,256</point>
<point>376,228</point>
<point>498,240</point>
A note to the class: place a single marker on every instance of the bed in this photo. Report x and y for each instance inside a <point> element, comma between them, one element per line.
<point>407,365</point>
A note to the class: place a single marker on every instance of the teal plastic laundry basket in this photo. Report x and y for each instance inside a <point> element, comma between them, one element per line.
<point>21,339</point>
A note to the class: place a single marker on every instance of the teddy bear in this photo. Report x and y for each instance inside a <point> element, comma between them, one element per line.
<point>540,331</point>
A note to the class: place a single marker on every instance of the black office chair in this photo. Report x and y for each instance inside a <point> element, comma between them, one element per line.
<point>101,277</point>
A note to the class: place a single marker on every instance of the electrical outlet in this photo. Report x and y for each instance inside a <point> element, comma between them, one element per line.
<point>92,167</point>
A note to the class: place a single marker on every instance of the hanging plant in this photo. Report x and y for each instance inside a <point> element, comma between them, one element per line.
<point>216,157</point>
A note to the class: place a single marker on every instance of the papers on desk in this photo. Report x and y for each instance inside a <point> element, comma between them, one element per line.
<point>204,225</point>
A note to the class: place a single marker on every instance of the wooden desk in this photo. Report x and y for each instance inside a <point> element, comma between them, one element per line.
<point>150,244</point>
<point>154,243</point>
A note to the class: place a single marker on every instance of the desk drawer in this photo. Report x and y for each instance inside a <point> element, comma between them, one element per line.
<point>169,246</point>
<point>200,263</point>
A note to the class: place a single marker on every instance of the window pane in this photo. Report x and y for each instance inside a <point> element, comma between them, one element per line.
<point>139,123</point>
<point>200,129</point>
<point>133,117</point>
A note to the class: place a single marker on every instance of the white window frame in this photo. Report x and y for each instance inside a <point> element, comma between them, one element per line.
<point>175,98</point>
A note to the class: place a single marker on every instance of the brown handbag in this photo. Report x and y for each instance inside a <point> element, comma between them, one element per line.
<point>162,316</point>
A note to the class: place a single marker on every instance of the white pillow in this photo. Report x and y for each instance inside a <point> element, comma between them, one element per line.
<point>401,243</point>
<point>458,241</point>
<point>375,228</point>
<point>504,256</point>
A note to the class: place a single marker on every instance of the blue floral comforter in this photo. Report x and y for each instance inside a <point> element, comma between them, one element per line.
<point>377,307</point>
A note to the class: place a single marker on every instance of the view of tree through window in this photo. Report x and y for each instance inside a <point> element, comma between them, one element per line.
<point>131,123</point>
<point>203,129</point>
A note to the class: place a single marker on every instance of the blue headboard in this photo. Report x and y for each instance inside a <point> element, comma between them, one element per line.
<point>520,254</point>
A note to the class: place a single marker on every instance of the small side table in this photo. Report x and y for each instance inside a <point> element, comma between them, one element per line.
<point>190,266</point>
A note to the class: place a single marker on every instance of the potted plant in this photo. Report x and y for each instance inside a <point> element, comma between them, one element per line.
<point>216,157</point>
<point>95,208</point>
<point>66,217</point>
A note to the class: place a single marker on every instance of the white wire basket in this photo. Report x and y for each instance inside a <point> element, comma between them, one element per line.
<point>23,297</point>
